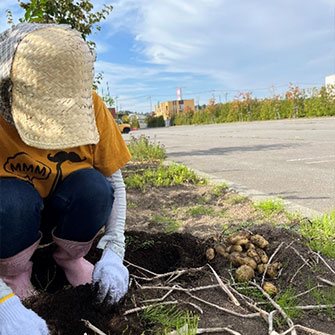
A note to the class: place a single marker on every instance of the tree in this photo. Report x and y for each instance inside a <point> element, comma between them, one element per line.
<point>78,14</point>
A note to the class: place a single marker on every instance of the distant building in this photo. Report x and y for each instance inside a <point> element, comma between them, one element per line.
<point>170,108</point>
<point>330,80</point>
<point>330,83</point>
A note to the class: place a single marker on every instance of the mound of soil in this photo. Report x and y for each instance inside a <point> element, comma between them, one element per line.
<point>151,254</point>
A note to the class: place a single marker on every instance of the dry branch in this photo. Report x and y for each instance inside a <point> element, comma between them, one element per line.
<point>308,330</point>
<point>90,326</point>
<point>138,309</point>
<point>322,259</point>
<point>246,316</point>
<point>224,287</point>
<point>278,308</point>
<point>269,262</point>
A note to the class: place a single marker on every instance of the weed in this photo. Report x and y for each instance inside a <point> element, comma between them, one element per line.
<point>164,319</point>
<point>320,231</point>
<point>143,150</point>
<point>231,229</point>
<point>287,302</point>
<point>170,175</point>
<point>237,199</point>
<point>131,204</point>
<point>132,242</point>
<point>270,206</point>
<point>325,297</point>
<point>218,190</point>
<point>170,225</point>
<point>202,200</point>
<point>200,210</point>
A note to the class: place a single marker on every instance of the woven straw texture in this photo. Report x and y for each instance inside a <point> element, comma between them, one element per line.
<point>9,41</point>
<point>52,76</point>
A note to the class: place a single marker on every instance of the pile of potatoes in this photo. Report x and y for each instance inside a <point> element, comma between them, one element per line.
<point>246,252</point>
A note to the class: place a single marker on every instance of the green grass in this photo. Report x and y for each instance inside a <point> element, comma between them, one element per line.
<point>270,206</point>
<point>232,229</point>
<point>161,320</point>
<point>170,225</point>
<point>288,303</point>
<point>320,231</point>
<point>144,150</point>
<point>324,297</point>
<point>220,189</point>
<point>199,210</point>
<point>237,199</point>
<point>173,174</point>
<point>136,245</point>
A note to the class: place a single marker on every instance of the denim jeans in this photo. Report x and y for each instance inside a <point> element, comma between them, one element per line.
<point>78,208</point>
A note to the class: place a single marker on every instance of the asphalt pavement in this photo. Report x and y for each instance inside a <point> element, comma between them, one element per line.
<point>291,159</point>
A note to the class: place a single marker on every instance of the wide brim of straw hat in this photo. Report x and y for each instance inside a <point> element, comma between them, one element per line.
<point>52,76</point>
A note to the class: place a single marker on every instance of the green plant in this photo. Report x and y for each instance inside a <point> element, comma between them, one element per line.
<point>287,302</point>
<point>131,204</point>
<point>171,225</point>
<point>78,14</point>
<point>270,206</point>
<point>200,210</point>
<point>232,229</point>
<point>135,245</point>
<point>218,190</point>
<point>324,297</point>
<point>164,319</point>
<point>320,231</point>
<point>173,174</point>
<point>143,149</point>
<point>237,199</point>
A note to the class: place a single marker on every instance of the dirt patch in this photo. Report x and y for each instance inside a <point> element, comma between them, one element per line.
<point>63,307</point>
<point>167,230</point>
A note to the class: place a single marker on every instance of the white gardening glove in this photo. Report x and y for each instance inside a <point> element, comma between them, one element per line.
<point>111,277</point>
<point>15,319</point>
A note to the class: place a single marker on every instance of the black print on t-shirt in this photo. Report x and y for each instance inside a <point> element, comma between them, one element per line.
<point>61,157</point>
<point>18,166</point>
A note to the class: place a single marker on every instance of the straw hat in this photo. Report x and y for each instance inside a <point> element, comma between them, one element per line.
<point>51,93</point>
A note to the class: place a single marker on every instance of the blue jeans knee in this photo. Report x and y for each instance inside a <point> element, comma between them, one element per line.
<point>20,213</point>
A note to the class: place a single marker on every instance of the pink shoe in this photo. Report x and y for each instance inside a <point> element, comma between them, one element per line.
<point>15,271</point>
<point>69,255</point>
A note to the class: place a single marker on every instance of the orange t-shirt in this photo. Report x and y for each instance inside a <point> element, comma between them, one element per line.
<point>44,168</point>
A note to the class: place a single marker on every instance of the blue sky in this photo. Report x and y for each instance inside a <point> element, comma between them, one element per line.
<point>209,48</point>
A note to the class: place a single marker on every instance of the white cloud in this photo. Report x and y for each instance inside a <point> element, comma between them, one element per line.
<point>228,40</point>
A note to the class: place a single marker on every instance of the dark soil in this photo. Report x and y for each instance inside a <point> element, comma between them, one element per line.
<point>63,307</point>
<point>150,246</point>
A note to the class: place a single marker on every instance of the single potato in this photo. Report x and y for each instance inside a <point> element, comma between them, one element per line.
<point>272,270</point>
<point>252,253</point>
<point>270,288</point>
<point>259,241</point>
<point>210,254</point>
<point>238,259</point>
<point>244,273</point>
<point>239,238</point>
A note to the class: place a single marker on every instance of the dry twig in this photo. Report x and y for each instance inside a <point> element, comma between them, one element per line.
<point>308,330</point>
<point>269,262</point>
<point>224,287</point>
<point>323,261</point>
<point>246,316</point>
<point>90,326</point>
<point>217,330</point>
<point>326,281</point>
<point>138,309</point>
<point>277,307</point>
